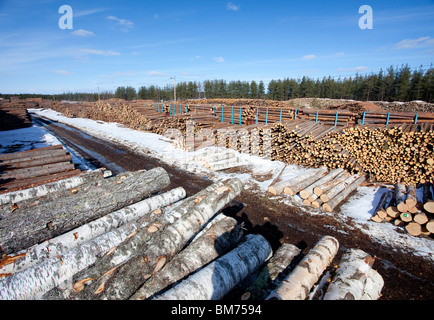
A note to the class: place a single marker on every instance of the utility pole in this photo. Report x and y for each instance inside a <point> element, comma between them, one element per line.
<point>174,88</point>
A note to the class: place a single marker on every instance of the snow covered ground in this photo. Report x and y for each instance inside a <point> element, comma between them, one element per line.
<point>358,209</point>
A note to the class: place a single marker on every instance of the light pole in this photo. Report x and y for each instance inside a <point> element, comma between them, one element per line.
<point>174,88</point>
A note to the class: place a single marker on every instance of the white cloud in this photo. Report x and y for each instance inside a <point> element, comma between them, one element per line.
<point>82,33</point>
<point>309,57</point>
<point>125,24</point>
<point>356,69</point>
<point>63,72</point>
<point>232,7</point>
<point>154,73</point>
<point>126,74</point>
<point>88,12</point>
<point>219,59</point>
<point>414,43</point>
<point>101,52</point>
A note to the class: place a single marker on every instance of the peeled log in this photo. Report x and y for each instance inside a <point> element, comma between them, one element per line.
<point>318,190</point>
<point>124,280</point>
<point>296,187</point>
<point>308,191</point>
<point>48,220</point>
<point>331,193</point>
<point>222,236</point>
<point>278,188</point>
<point>60,244</point>
<point>333,203</point>
<point>280,264</point>
<point>352,276</point>
<point>219,277</point>
<point>300,281</point>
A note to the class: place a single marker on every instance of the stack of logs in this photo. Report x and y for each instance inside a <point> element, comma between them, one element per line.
<point>319,187</point>
<point>403,208</point>
<point>35,167</point>
<point>162,246</point>
<point>15,116</point>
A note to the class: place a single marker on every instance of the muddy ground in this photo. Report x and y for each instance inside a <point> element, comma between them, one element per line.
<point>406,277</point>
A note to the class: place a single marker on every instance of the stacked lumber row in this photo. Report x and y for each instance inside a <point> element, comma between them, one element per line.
<point>404,208</point>
<point>15,116</point>
<point>329,117</point>
<point>319,187</point>
<point>35,167</point>
<point>394,117</point>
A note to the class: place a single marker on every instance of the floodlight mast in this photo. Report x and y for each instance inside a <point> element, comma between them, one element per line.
<point>174,88</point>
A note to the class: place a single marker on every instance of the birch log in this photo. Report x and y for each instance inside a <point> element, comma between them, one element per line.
<point>39,191</point>
<point>341,196</point>
<point>221,237</point>
<point>123,281</point>
<point>134,244</point>
<point>399,197</point>
<point>308,191</point>
<point>295,188</point>
<point>352,277</point>
<point>277,188</point>
<point>280,264</point>
<point>411,199</point>
<point>297,285</point>
<point>60,244</point>
<point>215,280</point>
<point>25,229</point>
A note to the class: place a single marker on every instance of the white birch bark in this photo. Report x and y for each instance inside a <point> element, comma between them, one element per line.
<point>123,280</point>
<point>334,202</point>
<point>351,277</point>
<point>280,264</point>
<point>39,191</point>
<point>297,285</point>
<point>331,193</point>
<point>218,239</point>
<point>58,245</point>
<point>215,280</point>
<point>35,281</point>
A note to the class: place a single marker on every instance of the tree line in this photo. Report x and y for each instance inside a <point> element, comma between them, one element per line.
<point>394,84</point>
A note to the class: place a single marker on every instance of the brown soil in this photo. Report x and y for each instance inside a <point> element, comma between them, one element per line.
<point>406,276</point>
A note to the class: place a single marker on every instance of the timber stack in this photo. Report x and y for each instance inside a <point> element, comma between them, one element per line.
<point>21,170</point>
<point>319,187</point>
<point>155,243</point>
<point>404,208</point>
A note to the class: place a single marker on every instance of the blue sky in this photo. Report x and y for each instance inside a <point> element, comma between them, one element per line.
<point>136,43</point>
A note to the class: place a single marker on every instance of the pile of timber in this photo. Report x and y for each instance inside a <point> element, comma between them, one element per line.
<point>21,170</point>
<point>217,160</point>
<point>148,242</point>
<point>329,117</point>
<point>404,208</point>
<point>319,187</point>
<point>15,116</point>
<point>394,117</point>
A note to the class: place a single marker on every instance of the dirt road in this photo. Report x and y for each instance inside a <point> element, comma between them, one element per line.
<point>406,276</point>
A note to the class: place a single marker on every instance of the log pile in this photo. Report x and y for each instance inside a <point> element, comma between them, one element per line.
<point>319,187</point>
<point>21,170</point>
<point>165,246</point>
<point>405,209</point>
<point>14,115</point>
<point>216,160</point>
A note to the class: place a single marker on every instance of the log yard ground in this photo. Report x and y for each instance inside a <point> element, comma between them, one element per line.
<point>404,261</point>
